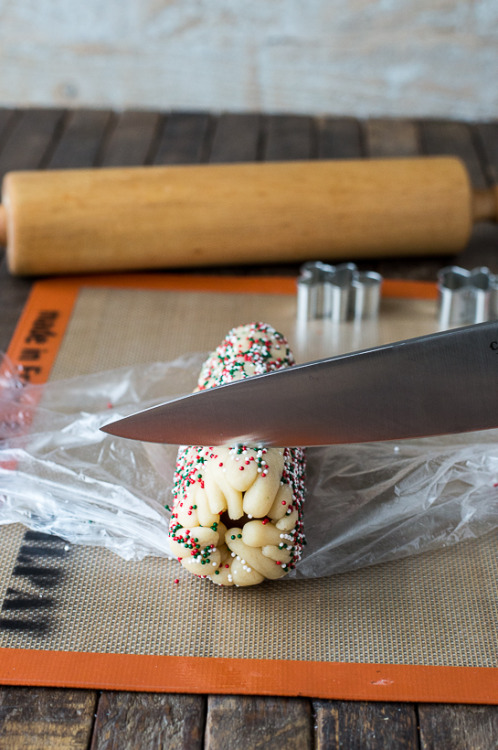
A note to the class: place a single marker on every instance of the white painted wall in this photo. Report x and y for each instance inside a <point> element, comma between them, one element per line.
<point>356,57</point>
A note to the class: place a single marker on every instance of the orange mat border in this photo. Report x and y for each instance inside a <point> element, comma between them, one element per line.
<point>332,680</point>
<point>345,681</point>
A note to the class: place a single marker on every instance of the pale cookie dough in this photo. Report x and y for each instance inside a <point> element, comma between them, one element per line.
<point>237,510</point>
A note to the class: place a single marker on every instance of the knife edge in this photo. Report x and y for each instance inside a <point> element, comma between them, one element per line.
<point>438,384</point>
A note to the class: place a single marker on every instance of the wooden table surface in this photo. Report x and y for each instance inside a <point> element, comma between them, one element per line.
<point>52,138</point>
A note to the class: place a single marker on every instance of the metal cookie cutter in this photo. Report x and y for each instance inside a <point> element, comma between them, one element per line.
<point>466,297</point>
<point>337,293</point>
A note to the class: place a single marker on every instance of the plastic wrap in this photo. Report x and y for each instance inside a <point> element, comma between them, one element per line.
<point>365,503</point>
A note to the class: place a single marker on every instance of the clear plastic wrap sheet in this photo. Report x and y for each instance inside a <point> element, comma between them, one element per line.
<point>365,504</point>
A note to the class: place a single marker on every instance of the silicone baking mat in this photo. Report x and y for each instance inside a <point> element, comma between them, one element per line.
<point>420,629</point>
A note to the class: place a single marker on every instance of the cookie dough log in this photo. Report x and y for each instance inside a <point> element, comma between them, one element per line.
<point>237,510</point>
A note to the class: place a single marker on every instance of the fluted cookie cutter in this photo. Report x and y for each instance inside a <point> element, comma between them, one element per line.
<point>466,297</point>
<point>337,293</point>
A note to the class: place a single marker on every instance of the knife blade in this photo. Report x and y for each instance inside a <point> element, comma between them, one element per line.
<point>438,384</point>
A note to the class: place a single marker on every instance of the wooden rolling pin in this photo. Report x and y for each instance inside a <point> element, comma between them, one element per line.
<point>73,221</point>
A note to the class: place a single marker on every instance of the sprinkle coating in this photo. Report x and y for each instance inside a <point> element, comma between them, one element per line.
<point>237,510</point>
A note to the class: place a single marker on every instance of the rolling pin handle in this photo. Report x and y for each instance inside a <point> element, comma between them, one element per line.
<point>485,204</point>
<point>3,226</point>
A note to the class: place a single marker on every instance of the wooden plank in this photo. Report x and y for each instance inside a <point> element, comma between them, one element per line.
<point>486,135</point>
<point>445,727</point>
<point>132,140</point>
<point>7,118</point>
<point>31,140</point>
<point>77,147</point>
<point>369,726</point>
<point>253,722</point>
<point>339,138</point>
<point>289,137</point>
<point>38,718</point>
<point>481,249</point>
<point>13,295</point>
<point>81,139</point>
<point>459,139</point>
<point>126,721</point>
<point>185,139</point>
<point>26,138</point>
<point>236,138</point>
<point>386,138</point>
<point>453,139</point>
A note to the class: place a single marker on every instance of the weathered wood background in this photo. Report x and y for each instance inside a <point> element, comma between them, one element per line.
<point>361,57</point>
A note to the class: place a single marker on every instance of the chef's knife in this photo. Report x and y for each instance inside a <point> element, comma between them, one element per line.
<point>431,385</point>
